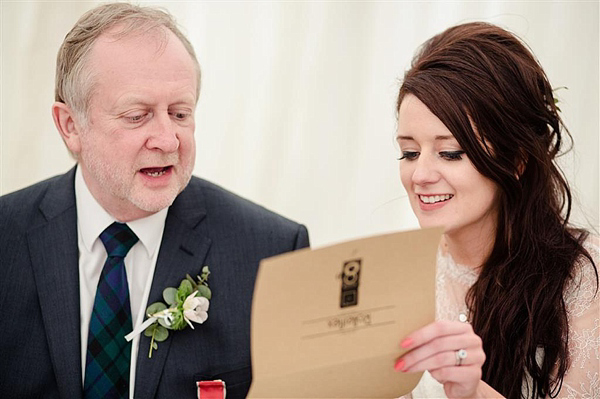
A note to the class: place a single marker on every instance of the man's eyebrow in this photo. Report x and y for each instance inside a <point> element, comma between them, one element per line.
<point>129,100</point>
<point>133,100</point>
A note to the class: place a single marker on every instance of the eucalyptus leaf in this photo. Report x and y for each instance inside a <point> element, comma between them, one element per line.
<point>161,334</point>
<point>205,273</point>
<point>204,291</point>
<point>150,329</point>
<point>155,308</point>
<point>163,323</point>
<point>170,295</point>
<point>185,288</point>
<point>175,298</point>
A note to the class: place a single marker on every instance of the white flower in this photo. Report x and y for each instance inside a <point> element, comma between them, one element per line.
<point>195,309</point>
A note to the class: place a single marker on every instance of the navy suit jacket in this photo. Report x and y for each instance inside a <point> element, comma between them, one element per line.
<point>39,290</point>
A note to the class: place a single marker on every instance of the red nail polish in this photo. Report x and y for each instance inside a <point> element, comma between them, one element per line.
<point>406,343</point>
<point>399,365</point>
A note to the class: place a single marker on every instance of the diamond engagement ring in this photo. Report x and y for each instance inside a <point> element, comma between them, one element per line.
<point>460,355</point>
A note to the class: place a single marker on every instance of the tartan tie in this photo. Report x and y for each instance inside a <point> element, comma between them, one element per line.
<point>108,353</point>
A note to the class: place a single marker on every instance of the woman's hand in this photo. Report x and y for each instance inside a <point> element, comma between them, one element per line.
<point>450,351</point>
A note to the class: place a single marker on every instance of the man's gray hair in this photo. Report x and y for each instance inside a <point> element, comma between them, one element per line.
<point>75,82</point>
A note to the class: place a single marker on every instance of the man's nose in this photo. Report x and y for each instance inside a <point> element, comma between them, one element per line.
<point>163,134</point>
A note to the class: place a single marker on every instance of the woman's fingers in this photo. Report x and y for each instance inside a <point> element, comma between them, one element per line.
<point>454,374</point>
<point>474,356</point>
<point>436,338</point>
<point>459,382</point>
<point>435,330</point>
<point>437,344</point>
<point>452,353</point>
<point>442,352</point>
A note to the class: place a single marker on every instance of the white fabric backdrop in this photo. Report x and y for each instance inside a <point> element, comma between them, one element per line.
<point>297,104</point>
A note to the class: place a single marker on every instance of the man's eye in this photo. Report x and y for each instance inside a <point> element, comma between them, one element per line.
<point>180,115</point>
<point>135,118</point>
<point>452,155</point>
<point>409,155</point>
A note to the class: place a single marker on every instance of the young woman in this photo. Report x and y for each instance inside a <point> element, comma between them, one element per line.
<point>517,296</point>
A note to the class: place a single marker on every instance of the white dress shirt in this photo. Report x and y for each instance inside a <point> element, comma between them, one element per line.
<point>140,262</point>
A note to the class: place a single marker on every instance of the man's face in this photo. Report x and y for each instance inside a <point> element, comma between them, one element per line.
<point>137,152</point>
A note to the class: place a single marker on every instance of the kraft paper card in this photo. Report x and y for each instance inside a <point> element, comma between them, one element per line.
<point>327,323</point>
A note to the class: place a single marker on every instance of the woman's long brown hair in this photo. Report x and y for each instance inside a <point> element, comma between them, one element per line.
<point>493,95</point>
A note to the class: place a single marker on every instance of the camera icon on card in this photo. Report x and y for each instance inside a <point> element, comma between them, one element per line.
<point>350,281</point>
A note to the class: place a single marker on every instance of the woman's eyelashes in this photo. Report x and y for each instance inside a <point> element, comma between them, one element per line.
<point>447,155</point>
<point>408,155</point>
<point>452,155</point>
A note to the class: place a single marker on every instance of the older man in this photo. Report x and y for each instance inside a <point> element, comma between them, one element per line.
<point>83,254</point>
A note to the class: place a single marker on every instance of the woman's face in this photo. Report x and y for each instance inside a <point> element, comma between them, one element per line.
<point>443,186</point>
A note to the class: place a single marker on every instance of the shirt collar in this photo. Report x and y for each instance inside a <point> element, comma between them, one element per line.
<point>92,219</point>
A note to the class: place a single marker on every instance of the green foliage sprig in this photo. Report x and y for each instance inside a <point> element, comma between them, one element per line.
<point>183,305</point>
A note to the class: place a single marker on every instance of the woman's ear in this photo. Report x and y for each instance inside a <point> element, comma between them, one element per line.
<point>521,164</point>
<point>64,119</point>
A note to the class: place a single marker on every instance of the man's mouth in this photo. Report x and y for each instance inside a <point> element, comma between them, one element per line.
<point>432,199</point>
<point>155,172</point>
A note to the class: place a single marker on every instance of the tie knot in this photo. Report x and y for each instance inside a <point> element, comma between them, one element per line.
<point>118,239</point>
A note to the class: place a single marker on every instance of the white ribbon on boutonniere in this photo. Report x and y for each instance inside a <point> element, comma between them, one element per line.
<point>188,303</point>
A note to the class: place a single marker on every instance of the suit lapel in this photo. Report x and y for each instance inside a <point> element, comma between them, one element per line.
<point>55,256</point>
<point>182,251</point>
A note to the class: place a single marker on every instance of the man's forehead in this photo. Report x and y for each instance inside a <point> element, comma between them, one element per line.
<point>121,34</point>
<point>139,48</point>
<point>124,54</point>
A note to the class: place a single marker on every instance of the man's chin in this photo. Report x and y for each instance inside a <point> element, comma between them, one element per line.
<point>153,202</point>
<point>155,199</point>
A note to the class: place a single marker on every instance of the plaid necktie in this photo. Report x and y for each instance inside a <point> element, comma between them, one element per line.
<point>108,354</point>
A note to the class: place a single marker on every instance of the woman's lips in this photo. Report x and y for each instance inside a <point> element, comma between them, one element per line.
<point>433,202</point>
<point>432,199</point>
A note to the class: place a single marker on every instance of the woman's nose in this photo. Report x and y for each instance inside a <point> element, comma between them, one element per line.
<point>425,171</point>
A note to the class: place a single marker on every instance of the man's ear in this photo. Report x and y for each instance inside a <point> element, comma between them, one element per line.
<point>65,121</point>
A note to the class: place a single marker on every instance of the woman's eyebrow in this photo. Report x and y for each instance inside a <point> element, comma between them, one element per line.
<point>440,137</point>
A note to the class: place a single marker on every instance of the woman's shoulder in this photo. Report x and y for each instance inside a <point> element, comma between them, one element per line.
<point>582,299</point>
<point>592,244</point>
<point>585,266</point>
<point>582,291</point>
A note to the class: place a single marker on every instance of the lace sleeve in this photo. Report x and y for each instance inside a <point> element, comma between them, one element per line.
<point>582,380</point>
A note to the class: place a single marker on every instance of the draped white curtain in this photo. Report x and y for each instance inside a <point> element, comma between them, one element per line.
<point>297,104</point>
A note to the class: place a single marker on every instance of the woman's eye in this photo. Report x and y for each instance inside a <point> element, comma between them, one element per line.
<point>452,155</point>
<point>409,155</point>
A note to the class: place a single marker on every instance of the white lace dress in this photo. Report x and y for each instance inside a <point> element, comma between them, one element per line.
<point>582,380</point>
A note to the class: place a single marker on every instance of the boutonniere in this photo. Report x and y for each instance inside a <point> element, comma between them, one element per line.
<point>186,304</point>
